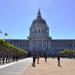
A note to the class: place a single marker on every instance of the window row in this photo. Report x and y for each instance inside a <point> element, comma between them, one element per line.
<point>39,31</point>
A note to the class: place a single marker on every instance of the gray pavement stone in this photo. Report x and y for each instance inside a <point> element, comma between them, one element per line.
<point>16,68</point>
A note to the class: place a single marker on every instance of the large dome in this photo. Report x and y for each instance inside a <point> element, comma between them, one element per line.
<point>39,28</point>
<point>39,21</point>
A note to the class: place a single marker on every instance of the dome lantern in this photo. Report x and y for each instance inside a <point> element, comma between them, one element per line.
<point>39,14</point>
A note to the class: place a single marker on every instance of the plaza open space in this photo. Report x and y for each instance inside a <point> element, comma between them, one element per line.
<point>51,67</point>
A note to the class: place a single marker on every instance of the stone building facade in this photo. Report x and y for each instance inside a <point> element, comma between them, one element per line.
<point>40,41</point>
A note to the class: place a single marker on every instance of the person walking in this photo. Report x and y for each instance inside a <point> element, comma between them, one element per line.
<point>34,60</point>
<point>58,59</point>
<point>45,56</point>
<point>37,59</point>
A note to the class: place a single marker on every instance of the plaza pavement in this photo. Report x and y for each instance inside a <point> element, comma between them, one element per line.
<point>15,68</point>
<point>50,67</point>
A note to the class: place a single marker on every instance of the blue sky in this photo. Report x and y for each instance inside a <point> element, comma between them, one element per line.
<point>16,17</point>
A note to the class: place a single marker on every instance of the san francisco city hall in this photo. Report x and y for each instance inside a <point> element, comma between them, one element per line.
<point>40,41</point>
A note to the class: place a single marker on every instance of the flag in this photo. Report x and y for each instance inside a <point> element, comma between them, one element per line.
<point>6,34</point>
<point>0,31</point>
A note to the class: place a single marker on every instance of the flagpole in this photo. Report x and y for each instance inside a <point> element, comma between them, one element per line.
<point>5,34</point>
<point>0,33</point>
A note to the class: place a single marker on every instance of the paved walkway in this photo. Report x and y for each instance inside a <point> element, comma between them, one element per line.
<point>16,68</point>
<point>50,67</point>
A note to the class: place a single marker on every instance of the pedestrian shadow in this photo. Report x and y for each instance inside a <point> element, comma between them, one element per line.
<point>59,66</point>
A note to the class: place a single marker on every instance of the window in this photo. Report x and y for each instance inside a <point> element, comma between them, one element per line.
<point>43,31</point>
<point>39,31</point>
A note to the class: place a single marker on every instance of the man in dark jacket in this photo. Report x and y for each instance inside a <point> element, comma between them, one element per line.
<point>58,58</point>
<point>45,56</point>
<point>34,60</point>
